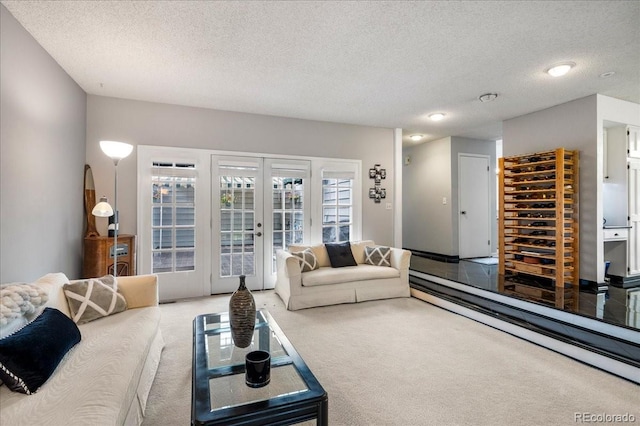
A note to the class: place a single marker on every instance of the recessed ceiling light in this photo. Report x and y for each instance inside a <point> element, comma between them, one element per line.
<point>416,138</point>
<point>607,74</point>
<point>437,116</point>
<point>488,97</point>
<point>559,70</point>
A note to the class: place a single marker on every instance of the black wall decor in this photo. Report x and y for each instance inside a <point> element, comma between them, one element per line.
<point>377,174</point>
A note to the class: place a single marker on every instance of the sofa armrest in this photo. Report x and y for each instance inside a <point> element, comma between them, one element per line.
<point>139,290</point>
<point>400,260</point>
<point>289,275</point>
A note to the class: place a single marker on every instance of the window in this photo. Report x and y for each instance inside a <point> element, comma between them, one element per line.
<point>173,217</point>
<point>337,207</point>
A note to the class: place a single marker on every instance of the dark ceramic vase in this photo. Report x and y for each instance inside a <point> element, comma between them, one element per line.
<point>242,315</point>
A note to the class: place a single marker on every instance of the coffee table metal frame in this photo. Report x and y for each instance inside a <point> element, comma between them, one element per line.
<point>279,410</point>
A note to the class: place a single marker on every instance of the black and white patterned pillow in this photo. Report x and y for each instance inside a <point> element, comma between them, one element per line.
<point>308,260</point>
<point>378,256</point>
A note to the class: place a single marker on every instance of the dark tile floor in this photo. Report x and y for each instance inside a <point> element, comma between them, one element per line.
<point>614,305</point>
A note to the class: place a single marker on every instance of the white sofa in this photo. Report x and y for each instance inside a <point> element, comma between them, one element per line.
<point>349,284</point>
<point>105,379</point>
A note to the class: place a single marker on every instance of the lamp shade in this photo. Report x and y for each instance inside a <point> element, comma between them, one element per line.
<point>103,208</point>
<point>116,150</point>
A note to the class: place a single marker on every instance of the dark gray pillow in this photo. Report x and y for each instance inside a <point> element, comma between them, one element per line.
<point>308,260</point>
<point>340,255</point>
<point>378,256</point>
<point>94,298</point>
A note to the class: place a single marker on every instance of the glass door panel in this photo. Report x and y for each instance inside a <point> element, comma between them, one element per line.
<point>237,209</point>
<point>242,243</point>
<point>289,211</point>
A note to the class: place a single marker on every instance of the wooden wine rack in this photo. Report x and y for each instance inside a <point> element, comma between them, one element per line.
<point>538,232</point>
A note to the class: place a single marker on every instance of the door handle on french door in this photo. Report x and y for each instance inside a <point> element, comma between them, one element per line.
<point>258,234</point>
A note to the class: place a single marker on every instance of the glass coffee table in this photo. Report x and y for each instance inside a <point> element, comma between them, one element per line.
<point>219,395</point>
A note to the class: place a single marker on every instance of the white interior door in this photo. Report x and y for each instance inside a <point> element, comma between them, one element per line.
<point>474,218</point>
<point>633,242</point>
<point>633,141</point>
<point>237,222</point>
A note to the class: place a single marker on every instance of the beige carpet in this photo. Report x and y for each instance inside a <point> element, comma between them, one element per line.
<point>406,362</point>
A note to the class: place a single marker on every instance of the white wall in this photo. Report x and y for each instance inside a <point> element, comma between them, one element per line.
<point>427,223</point>
<point>147,123</point>
<point>42,155</point>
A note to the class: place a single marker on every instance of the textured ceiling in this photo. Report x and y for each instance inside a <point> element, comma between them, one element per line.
<point>385,64</point>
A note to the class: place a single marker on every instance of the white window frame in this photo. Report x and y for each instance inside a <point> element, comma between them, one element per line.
<point>351,168</point>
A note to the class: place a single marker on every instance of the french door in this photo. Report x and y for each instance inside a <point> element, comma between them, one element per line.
<point>258,206</point>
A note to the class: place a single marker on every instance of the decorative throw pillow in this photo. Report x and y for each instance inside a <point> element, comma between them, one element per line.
<point>94,298</point>
<point>378,256</point>
<point>30,355</point>
<point>308,260</point>
<point>340,255</point>
<point>19,300</point>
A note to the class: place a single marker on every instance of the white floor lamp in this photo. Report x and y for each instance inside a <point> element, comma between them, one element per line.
<point>116,151</point>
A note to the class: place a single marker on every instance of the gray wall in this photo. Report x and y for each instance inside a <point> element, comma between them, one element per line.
<point>146,123</point>
<point>429,225</point>
<point>572,125</point>
<point>42,153</point>
<point>474,146</point>
<point>426,222</point>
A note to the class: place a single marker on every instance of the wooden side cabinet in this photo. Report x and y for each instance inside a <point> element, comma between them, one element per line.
<point>99,255</point>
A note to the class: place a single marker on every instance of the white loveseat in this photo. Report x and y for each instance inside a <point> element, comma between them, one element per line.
<point>105,379</point>
<point>349,284</point>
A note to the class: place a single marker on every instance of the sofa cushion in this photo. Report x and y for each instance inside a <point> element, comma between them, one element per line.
<point>358,247</point>
<point>327,276</point>
<point>379,256</point>
<point>94,298</point>
<point>319,250</point>
<point>30,355</point>
<point>340,255</point>
<point>308,260</point>
<point>97,383</point>
<point>52,283</point>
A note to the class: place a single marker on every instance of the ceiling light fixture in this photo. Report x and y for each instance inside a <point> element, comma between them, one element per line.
<point>416,138</point>
<point>488,97</point>
<point>561,69</point>
<point>437,116</point>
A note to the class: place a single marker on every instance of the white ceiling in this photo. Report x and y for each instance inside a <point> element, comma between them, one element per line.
<point>384,64</point>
